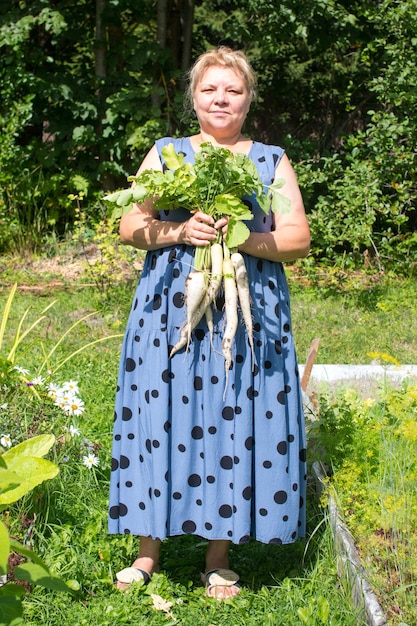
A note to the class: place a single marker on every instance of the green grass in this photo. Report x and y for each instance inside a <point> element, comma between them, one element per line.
<point>360,315</point>
<point>65,519</point>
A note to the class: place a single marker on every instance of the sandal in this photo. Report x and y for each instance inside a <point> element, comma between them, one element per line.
<point>130,575</point>
<point>216,579</point>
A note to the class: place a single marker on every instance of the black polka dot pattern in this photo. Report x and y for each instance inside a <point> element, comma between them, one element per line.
<point>188,457</point>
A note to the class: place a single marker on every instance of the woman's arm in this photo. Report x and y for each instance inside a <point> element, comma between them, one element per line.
<point>291,238</point>
<point>142,229</point>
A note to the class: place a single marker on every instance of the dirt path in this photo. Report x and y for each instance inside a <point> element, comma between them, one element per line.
<point>74,269</point>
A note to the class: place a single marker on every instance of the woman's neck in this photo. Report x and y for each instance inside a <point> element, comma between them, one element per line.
<point>237,143</point>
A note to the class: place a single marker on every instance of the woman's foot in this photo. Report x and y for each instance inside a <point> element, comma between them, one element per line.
<point>143,567</point>
<point>220,581</point>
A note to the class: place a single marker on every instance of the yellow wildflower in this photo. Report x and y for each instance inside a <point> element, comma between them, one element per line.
<point>384,358</point>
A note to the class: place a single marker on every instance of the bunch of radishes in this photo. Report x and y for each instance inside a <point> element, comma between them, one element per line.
<point>201,288</point>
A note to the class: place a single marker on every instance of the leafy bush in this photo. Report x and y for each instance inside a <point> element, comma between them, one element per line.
<point>113,263</point>
<point>362,200</point>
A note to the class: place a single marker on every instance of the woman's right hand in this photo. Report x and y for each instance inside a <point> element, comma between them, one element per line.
<point>198,230</point>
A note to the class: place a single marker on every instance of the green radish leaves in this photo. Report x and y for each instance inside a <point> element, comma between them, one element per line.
<point>237,233</point>
<point>215,184</point>
<point>173,160</point>
<point>228,204</point>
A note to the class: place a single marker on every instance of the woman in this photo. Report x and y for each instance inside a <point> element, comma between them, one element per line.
<point>185,458</point>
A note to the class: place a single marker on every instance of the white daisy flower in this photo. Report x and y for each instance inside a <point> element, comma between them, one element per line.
<point>21,370</point>
<point>54,391</point>
<point>87,444</point>
<point>59,401</point>
<point>75,406</point>
<point>5,441</point>
<point>91,460</point>
<point>67,396</point>
<point>73,431</point>
<point>71,385</point>
<point>38,380</point>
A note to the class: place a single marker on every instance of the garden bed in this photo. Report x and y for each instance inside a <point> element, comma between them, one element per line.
<point>349,565</point>
<point>362,433</point>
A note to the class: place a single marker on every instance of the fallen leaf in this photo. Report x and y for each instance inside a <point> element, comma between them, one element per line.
<point>160,604</point>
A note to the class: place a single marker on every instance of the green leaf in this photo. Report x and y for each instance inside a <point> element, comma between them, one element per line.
<point>37,574</point>
<point>11,604</point>
<point>237,233</point>
<point>8,479</point>
<point>35,446</point>
<point>227,204</point>
<point>125,197</point>
<point>112,197</point>
<point>117,212</point>
<point>6,312</point>
<point>280,203</point>
<point>32,471</point>
<point>323,609</point>
<point>73,584</point>
<point>304,615</point>
<point>265,202</point>
<point>4,548</point>
<point>139,193</point>
<point>172,160</point>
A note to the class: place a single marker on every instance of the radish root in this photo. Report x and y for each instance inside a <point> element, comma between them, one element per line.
<point>242,282</point>
<point>230,296</point>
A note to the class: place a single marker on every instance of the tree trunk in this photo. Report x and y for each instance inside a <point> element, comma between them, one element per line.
<point>100,41</point>
<point>161,32</point>
<point>175,19</point>
<point>100,71</point>
<point>187,18</point>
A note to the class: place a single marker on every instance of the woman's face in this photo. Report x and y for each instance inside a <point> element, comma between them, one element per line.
<point>221,101</point>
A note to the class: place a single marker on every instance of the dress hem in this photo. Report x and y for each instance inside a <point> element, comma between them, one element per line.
<point>237,543</point>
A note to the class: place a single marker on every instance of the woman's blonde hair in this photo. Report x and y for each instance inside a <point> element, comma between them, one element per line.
<point>223,57</point>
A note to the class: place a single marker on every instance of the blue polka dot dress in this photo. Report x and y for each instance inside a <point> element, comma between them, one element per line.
<point>186,458</point>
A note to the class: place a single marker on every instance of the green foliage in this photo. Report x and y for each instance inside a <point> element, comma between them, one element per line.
<point>362,199</point>
<point>33,202</point>
<point>108,266</point>
<point>67,122</point>
<point>29,407</point>
<point>25,468</point>
<point>365,199</point>
<point>8,373</point>
<point>21,469</point>
<point>370,446</point>
<point>334,433</point>
<point>19,388</point>
<point>337,88</point>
